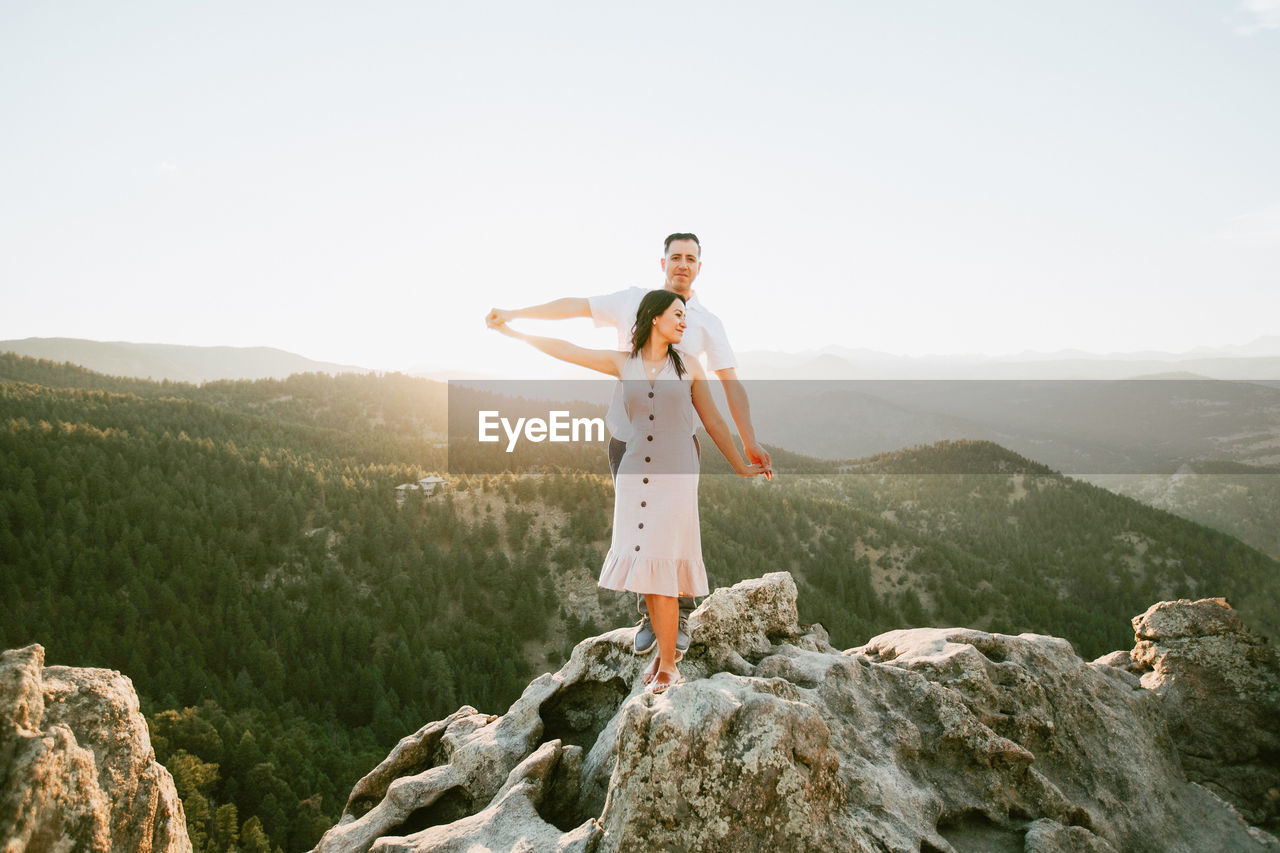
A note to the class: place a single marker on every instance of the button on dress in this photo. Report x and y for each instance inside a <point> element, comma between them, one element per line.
<point>657,546</point>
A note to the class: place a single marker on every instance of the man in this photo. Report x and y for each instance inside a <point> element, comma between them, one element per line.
<point>704,335</point>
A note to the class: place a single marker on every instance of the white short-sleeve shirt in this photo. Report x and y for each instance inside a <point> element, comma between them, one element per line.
<point>703,336</point>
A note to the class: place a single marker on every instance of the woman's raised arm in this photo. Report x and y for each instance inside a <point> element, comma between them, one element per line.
<point>714,423</point>
<point>604,360</point>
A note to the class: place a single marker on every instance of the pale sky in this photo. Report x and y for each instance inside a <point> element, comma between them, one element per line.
<point>360,183</point>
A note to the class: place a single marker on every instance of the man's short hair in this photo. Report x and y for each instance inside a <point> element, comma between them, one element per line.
<point>671,238</point>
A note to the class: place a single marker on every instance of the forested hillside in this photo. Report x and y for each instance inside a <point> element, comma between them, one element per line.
<point>1241,500</point>
<point>237,549</point>
<point>366,404</point>
<point>1029,549</point>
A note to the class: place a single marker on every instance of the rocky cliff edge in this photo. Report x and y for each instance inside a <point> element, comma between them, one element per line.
<point>77,771</point>
<point>930,739</point>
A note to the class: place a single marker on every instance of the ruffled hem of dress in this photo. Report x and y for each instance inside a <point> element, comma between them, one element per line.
<point>654,575</point>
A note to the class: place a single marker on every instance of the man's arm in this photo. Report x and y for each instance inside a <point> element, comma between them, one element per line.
<point>556,309</point>
<point>740,409</point>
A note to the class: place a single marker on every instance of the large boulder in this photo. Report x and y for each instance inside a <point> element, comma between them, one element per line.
<point>78,770</point>
<point>933,739</point>
<point>1220,688</point>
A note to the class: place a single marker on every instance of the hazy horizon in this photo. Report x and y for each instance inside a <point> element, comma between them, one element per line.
<point>549,369</point>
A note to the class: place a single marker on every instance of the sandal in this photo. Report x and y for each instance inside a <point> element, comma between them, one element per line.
<point>679,657</point>
<point>656,687</point>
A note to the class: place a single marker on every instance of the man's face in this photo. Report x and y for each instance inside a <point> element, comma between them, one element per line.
<point>681,265</point>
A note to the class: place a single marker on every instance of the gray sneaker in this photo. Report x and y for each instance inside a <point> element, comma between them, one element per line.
<point>646,640</point>
<point>682,635</point>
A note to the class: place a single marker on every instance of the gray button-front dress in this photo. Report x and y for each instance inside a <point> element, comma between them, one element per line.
<point>657,546</point>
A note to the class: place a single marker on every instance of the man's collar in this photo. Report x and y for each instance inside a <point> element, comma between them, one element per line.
<point>692,301</point>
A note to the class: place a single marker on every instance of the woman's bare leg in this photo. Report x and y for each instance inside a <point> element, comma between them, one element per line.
<point>651,670</point>
<point>664,612</point>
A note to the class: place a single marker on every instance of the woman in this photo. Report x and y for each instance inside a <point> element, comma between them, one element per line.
<point>657,547</point>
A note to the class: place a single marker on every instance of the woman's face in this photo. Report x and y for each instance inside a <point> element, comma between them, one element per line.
<point>670,326</point>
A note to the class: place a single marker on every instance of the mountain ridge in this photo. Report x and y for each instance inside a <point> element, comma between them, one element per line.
<point>175,362</point>
<point>1257,360</point>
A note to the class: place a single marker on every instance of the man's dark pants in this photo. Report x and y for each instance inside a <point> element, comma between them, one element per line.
<point>616,449</point>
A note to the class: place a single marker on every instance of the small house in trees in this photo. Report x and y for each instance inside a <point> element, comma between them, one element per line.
<point>429,486</point>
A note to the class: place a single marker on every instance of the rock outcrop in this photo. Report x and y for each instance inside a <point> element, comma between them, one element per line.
<point>932,739</point>
<point>78,771</point>
<point>1220,687</point>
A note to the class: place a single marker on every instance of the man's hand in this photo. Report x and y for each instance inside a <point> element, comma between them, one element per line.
<point>757,455</point>
<point>498,317</point>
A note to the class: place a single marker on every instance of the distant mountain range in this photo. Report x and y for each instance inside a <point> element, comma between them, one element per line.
<point>174,362</point>
<point>846,409</point>
<point>1258,360</point>
<point>1078,427</point>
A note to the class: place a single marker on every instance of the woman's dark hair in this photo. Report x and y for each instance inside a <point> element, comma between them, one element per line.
<point>654,304</point>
